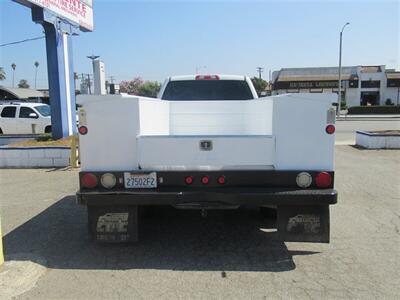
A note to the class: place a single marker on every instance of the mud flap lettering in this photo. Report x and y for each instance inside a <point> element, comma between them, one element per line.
<point>113,224</point>
<point>304,223</point>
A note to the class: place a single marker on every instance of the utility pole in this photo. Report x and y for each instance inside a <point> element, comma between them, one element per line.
<point>260,70</point>
<point>340,70</point>
<point>89,84</point>
<point>13,66</point>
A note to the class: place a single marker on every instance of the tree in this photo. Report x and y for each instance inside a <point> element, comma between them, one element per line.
<point>131,86</point>
<point>2,74</point>
<point>23,84</point>
<point>137,86</point>
<point>149,89</point>
<point>259,84</point>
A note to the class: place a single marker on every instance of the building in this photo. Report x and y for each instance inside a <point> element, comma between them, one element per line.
<point>31,95</point>
<point>361,85</point>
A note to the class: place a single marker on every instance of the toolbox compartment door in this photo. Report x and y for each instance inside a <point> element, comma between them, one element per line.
<point>206,152</point>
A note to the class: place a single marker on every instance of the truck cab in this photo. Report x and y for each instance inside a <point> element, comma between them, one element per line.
<point>208,143</point>
<point>207,87</point>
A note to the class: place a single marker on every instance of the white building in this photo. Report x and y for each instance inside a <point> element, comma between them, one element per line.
<point>361,85</point>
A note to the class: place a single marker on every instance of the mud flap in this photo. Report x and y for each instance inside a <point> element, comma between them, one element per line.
<point>306,223</point>
<point>113,224</point>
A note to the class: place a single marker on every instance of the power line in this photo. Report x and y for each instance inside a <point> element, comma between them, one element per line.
<point>23,41</point>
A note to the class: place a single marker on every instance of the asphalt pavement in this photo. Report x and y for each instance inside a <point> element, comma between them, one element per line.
<point>232,254</point>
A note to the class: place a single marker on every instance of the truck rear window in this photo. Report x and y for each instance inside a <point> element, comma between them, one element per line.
<point>207,90</point>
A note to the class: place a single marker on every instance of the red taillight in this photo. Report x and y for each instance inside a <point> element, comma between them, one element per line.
<point>221,180</point>
<point>205,180</point>
<point>330,129</point>
<point>89,180</point>
<point>189,180</point>
<point>207,77</point>
<point>323,180</point>
<point>83,130</point>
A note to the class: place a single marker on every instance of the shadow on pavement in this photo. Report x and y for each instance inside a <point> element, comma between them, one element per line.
<point>169,240</point>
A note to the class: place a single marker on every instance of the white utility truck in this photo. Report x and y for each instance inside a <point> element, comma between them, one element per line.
<point>208,142</point>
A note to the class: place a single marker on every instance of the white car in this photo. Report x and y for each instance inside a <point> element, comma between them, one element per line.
<point>24,118</point>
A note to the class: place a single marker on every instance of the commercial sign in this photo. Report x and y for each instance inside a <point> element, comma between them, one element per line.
<point>328,84</point>
<point>305,84</point>
<point>77,11</point>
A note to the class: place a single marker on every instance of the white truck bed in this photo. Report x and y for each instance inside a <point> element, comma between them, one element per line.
<point>278,132</point>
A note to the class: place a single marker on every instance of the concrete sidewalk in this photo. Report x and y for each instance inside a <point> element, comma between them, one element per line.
<point>345,117</point>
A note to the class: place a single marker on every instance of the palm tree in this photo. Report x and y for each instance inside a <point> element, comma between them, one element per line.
<point>13,66</point>
<point>36,66</point>
<point>2,74</point>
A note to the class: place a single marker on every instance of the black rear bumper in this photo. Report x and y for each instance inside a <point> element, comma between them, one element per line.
<point>218,197</point>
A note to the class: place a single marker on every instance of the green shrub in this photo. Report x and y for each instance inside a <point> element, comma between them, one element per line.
<point>371,110</point>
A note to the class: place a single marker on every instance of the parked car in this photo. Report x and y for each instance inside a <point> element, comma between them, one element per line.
<point>24,118</point>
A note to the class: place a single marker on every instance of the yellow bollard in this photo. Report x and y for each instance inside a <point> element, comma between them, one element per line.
<point>1,246</point>
<point>74,157</point>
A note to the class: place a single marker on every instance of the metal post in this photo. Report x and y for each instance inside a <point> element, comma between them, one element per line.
<point>60,72</point>
<point>340,71</point>
<point>340,77</point>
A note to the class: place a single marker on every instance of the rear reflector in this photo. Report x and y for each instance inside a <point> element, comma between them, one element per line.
<point>207,77</point>
<point>330,129</point>
<point>323,180</point>
<point>108,180</point>
<point>221,180</point>
<point>83,130</point>
<point>189,180</point>
<point>89,180</point>
<point>204,180</point>
<point>304,180</point>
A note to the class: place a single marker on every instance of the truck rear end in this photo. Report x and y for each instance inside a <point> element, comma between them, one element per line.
<point>220,154</point>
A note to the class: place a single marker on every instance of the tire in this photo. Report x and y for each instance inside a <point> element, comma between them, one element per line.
<point>47,129</point>
<point>1,131</point>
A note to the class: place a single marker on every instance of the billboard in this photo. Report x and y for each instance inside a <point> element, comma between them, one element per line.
<point>77,11</point>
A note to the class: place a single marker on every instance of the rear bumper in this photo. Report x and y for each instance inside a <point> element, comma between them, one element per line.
<point>227,197</point>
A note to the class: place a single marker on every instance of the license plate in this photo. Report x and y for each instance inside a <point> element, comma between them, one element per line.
<point>140,181</point>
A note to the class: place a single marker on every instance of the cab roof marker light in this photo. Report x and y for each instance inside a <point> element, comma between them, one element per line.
<point>207,77</point>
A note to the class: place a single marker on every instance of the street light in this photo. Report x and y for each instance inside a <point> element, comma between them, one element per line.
<point>340,70</point>
<point>36,64</point>
<point>13,66</point>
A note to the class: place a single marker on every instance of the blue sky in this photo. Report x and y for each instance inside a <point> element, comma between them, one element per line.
<point>155,39</point>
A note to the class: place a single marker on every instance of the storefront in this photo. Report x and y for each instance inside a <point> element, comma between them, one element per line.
<point>361,85</point>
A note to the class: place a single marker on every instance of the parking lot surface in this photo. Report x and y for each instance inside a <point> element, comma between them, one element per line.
<point>346,130</point>
<point>232,254</point>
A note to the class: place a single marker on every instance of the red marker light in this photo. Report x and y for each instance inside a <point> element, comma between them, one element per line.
<point>83,130</point>
<point>89,180</point>
<point>330,129</point>
<point>221,180</point>
<point>207,77</point>
<point>189,180</point>
<point>205,180</point>
<point>323,180</point>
